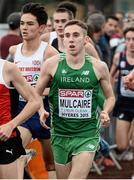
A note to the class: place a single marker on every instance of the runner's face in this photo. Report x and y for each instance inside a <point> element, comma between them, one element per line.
<point>130,41</point>
<point>29,27</point>
<point>60,20</point>
<point>74,39</point>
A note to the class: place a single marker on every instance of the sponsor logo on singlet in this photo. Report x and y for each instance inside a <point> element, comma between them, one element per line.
<point>90,146</point>
<point>75,103</point>
<point>75,79</point>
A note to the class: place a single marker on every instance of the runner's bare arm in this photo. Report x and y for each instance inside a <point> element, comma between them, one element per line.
<point>107,88</point>
<point>10,56</point>
<point>13,75</point>
<point>47,72</point>
<point>114,70</point>
<point>50,51</point>
<point>104,78</point>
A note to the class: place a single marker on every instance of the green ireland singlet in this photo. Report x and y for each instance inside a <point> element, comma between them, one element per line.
<point>73,100</point>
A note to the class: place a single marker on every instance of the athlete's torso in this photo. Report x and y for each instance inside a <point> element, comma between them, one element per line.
<point>5,105</point>
<point>30,66</point>
<point>73,100</point>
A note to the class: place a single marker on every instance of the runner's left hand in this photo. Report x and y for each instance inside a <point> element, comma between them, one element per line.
<point>105,120</point>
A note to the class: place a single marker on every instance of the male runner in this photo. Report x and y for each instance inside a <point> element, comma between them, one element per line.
<point>73,103</point>
<point>11,167</point>
<point>29,57</point>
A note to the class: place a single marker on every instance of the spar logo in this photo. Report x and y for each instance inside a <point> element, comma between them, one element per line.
<point>35,77</point>
<point>88,94</point>
<point>72,93</point>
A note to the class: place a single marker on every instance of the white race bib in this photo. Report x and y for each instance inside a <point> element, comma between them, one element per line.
<point>75,103</point>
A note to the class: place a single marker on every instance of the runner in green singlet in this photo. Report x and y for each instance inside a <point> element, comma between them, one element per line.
<point>60,17</point>
<point>73,97</point>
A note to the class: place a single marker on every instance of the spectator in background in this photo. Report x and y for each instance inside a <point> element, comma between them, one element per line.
<point>104,42</point>
<point>91,8</point>
<point>97,22</point>
<point>130,15</point>
<point>13,37</point>
<point>120,15</point>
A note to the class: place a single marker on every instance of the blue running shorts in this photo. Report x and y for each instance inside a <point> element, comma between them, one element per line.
<point>33,123</point>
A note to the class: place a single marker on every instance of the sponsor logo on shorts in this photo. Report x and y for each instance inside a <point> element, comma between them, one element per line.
<point>121,116</point>
<point>9,151</point>
<point>91,146</point>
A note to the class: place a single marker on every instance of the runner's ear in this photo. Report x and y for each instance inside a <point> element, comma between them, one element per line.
<point>87,40</point>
